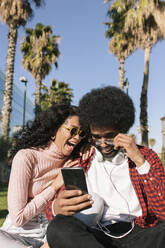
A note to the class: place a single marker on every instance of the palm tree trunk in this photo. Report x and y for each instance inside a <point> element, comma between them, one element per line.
<point>144,100</point>
<point>37,93</point>
<point>7,99</point>
<point>121,74</point>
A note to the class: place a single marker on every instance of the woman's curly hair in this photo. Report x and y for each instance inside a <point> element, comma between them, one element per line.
<point>107,107</point>
<point>38,133</point>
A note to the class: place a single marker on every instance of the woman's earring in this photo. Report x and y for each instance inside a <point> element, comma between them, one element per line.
<point>90,139</point>
<point>53,138</point>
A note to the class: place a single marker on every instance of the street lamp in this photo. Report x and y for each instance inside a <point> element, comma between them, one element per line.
<point>24,80</point>
<point>126,84</point>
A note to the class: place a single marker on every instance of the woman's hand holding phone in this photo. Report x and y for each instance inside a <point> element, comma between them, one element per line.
<point>69,202</point>
<point>58,181</point>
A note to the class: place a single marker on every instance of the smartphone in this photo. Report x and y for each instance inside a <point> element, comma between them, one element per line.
<point>74,178</point>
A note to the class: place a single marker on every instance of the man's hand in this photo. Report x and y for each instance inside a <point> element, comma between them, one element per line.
<point>127,143</point>
<point>69,202</point>
<point>45,245</point>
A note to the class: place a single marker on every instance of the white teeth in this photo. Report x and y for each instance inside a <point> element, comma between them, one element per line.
<point>71,144</point>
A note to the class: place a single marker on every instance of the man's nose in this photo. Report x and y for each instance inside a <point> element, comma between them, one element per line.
<point>102,140</point>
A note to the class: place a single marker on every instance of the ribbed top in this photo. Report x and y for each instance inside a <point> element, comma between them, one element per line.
<point>29,189</point>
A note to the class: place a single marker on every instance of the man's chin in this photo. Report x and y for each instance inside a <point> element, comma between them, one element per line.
<point>109,154</point>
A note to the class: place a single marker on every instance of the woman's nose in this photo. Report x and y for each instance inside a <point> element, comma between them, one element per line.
<point>77,136</point>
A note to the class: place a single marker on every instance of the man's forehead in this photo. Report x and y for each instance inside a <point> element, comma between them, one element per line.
<point>101,130</point>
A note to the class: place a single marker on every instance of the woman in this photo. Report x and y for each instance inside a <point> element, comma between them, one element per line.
<point>40,151</point>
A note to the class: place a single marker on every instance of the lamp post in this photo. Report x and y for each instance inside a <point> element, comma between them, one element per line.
<point>24,80</point>
<point>126,84</point>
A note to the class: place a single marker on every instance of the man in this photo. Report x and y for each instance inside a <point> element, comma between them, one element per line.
<point>129,178</point>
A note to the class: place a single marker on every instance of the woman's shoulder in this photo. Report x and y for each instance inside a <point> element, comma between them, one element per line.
<point>23,162</point>
<point>27,154</point>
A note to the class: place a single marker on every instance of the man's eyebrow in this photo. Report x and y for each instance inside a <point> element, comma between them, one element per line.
<point>95,134</point>
<point>104,134</point>
<point>109,133</point>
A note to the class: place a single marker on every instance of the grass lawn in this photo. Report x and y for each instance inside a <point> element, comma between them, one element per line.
<point>3,203</point>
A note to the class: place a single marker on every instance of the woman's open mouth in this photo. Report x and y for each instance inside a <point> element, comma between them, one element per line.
<point>70,146</point>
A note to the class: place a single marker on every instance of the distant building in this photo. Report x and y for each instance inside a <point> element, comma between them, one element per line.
<point>17,106</point>
<point>163,132</point>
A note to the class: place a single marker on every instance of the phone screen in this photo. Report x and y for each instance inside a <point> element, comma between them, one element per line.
<point>74,178</point>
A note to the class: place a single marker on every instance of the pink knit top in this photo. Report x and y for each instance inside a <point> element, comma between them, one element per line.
<point>29,189</point>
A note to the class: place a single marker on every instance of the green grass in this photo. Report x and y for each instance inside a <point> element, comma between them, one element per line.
<point>3,203</point>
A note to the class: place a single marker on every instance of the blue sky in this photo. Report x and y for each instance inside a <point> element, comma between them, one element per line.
<point>85,62</point>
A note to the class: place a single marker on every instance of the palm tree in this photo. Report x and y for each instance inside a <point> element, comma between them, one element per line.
<point>159,15</point>
<point>152,142</point>
<point>40,51</point>
<point>59,92</point>
<point>14,13</point>
<point>141,22</point>
<point>122,43</point>
<point>121,47</point>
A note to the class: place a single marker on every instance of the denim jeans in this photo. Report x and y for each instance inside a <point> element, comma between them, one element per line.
<point>31,235</point>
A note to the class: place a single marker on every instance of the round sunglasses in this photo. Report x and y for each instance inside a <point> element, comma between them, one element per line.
<point>107,142</point>
<point>75,130</point>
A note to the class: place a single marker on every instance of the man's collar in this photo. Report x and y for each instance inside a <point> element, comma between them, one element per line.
<point>118,159</point>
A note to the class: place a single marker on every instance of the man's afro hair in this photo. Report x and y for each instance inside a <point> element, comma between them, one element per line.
<point>107,107</point>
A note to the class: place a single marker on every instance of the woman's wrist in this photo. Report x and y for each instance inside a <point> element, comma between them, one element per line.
<point>57,184</point>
